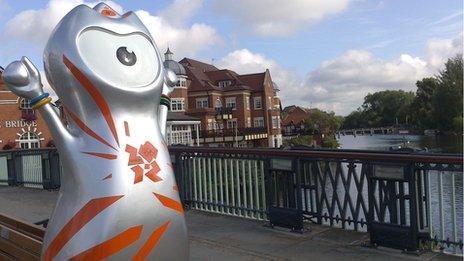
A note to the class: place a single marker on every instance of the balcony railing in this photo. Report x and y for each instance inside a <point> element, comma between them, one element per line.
<point>231,132</point>
<point>403,200</point>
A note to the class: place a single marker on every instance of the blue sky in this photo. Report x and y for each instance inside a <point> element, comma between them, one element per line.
<point>322,53</point>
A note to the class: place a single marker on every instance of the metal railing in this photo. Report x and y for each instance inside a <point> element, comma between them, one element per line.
<point>417,197</point>
<point>388,194</point>
<point>231,186</point>
<point>35,168</point>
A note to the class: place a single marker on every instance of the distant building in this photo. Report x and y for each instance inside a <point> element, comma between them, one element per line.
<point>293,120</point>
<point>180,127</point>
<point>20,126</point>
<point>233,109</point>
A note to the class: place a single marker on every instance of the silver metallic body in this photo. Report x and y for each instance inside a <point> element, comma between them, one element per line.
<point>134,105</point>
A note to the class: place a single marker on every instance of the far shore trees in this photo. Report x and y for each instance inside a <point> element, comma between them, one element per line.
<point>437,104</point>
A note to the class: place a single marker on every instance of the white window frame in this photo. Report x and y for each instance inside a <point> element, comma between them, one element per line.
<point>25,106</point>
<point>224,83</point>
<point>29,140</point>
<point>182,83</point>
<point>247,102</point>
<point>232,124</point>
<point>276,122</point>
<point>231,102</point>
<point>180,134</point>
<point>248,122</point>
<point>257,103</point>
<point>258,122</point>
<point>201,103</point>
<point>176,102</point>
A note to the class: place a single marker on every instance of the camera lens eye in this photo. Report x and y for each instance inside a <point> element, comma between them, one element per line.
<point>125,57</point>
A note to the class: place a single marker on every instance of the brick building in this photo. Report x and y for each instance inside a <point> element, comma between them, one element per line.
<point>293,120</point>
<point>234,110</point>
<point>20,126</point>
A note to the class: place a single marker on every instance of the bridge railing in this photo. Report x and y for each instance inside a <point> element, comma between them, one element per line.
<point>403,200</point>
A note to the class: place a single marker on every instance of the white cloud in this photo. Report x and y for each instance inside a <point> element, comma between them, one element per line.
<point>180,11</point>
<point>35,26</point>
<point>346,79</point>
<point>340,84</point>
<point>439,50</point>
<point>277,17</point>
<point>336,85</point>
<point>244,61</point>
<point>183,41</point>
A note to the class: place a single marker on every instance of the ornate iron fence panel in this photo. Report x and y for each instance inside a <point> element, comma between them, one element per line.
<point>229,184</point>
<point>335,193</point>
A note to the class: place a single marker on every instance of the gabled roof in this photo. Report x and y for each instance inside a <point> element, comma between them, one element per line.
<point>205,77</point>
<point>295,115</point>
<point>255,80</point>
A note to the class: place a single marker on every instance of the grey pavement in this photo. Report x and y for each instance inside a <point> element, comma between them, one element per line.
<point>218,237</point>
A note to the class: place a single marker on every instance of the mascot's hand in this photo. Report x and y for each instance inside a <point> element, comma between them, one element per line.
<point>23,78</point>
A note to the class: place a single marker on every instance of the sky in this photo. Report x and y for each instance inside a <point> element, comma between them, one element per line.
<point>327,54</point>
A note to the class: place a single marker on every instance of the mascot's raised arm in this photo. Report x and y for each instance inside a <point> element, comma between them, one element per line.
<point>118,198</point>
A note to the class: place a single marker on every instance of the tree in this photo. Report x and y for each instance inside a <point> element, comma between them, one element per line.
<point>422,107</point>
<point>355,120</point>
<point>386,108</point>
<point>447,99</point>
<point>323,122</point>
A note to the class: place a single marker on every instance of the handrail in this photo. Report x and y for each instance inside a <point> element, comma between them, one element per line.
<point>419,157</point>
<point>334,154</point>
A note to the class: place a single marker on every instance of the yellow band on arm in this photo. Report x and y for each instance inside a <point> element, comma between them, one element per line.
<point>41,103</point>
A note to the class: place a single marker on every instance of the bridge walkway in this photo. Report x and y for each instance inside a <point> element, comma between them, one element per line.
<point>216,237</point>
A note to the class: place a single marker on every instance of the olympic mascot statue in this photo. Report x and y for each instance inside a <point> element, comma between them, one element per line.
<point>118,198</point>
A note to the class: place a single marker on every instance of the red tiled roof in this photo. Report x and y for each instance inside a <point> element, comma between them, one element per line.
<point>206,77</point>
<point>296,115</point>
<point>255,80</point>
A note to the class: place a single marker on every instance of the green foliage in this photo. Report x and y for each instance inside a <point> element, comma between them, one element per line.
<point>323,122</point>
<point>382,108</point>
<point>319,122</point>
<point>437,104</point>
<point>300,140</point>
<point>447,99</point>
<point>457,124</point>
<point>422,112</point>
<point>329,141</point>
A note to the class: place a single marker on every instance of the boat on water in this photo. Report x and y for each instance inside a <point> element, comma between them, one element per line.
<point>430,132</point>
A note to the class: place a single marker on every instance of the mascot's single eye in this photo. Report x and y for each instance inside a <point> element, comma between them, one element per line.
<point>125,57</point>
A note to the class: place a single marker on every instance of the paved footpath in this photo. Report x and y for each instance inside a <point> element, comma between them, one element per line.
<point>217,237</point>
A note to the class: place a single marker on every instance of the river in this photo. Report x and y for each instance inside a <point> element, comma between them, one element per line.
<point>444,144</point>
<point>437,144</point>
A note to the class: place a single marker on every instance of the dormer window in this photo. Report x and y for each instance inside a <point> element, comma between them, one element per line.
<point>25,105</point>
<point>182,82</point>
<point>224,83</point>
<point>27,113</point>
